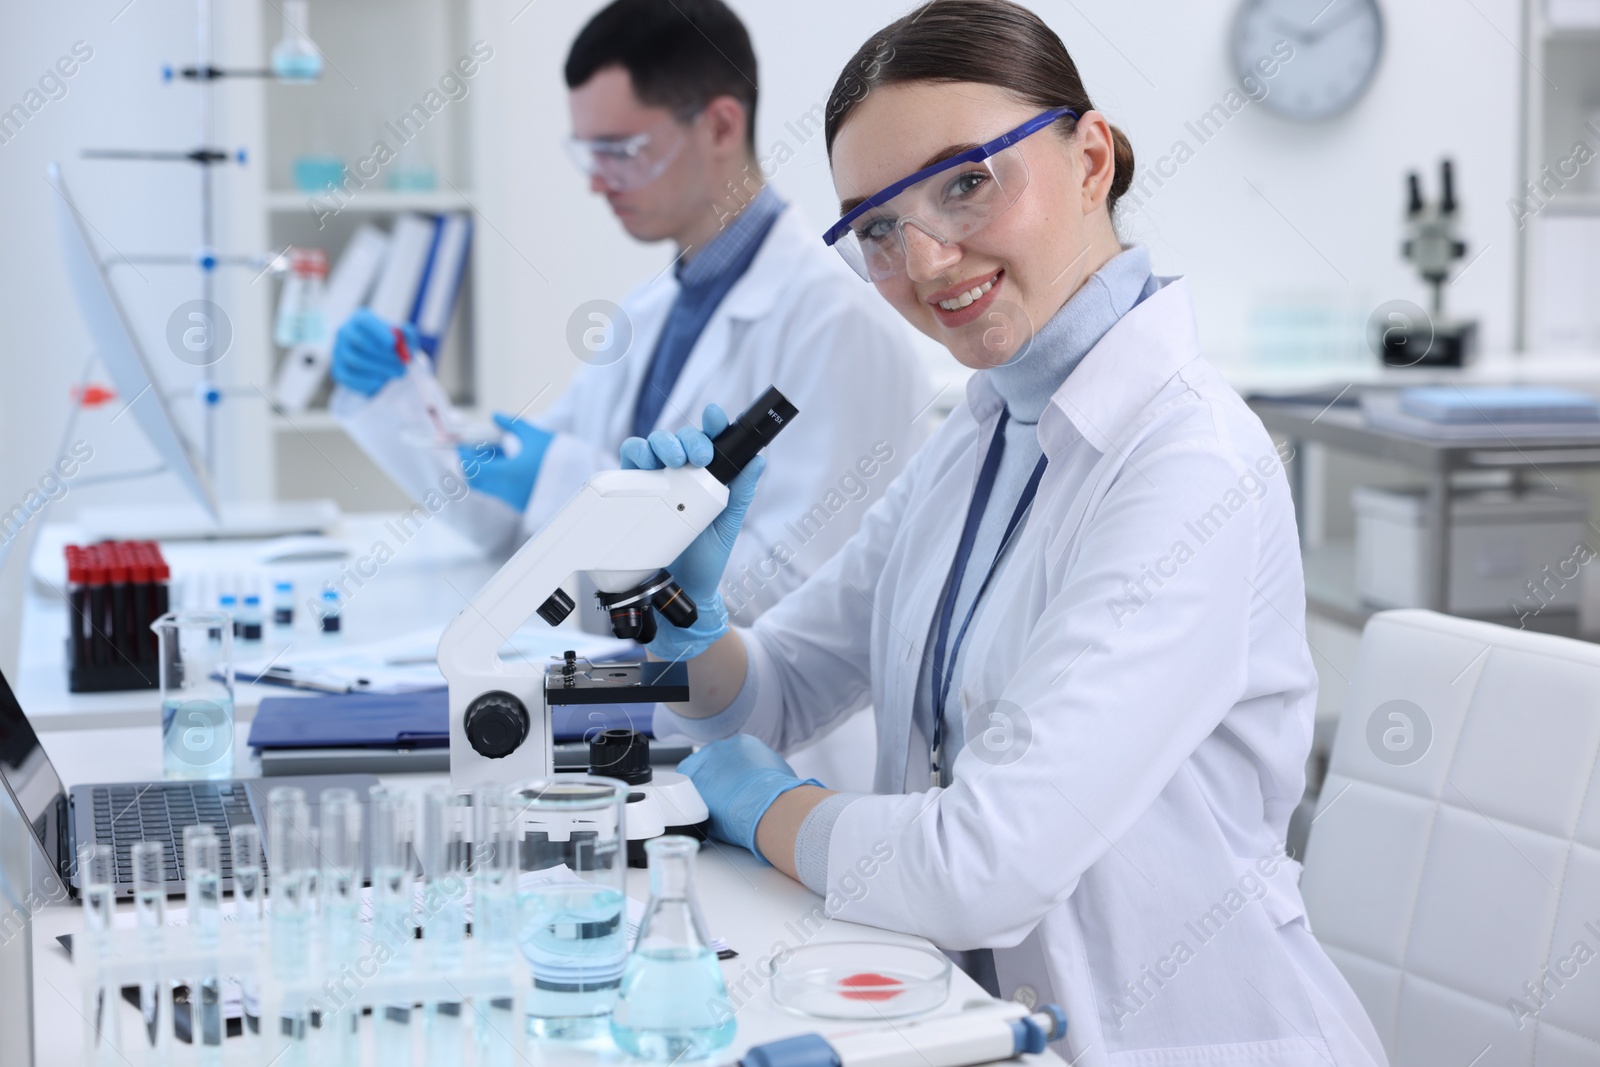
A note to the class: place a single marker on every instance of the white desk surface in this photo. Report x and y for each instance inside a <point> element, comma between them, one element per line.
<point>426,583</point>
<point>746,902</point>
<point>1577,370</point>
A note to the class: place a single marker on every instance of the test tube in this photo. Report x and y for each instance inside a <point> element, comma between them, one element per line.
<point>444,854</point>
<point>494,870</point>
<point>249,908</point>
<point>341,918</point>
<point>150,907</point>
<point>97,883</point>
<point>290,835</point>
<point>202,871</point>
<point>391,913</point>
<point>496,1030</point>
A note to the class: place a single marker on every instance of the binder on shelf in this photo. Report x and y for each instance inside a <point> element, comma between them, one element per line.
<point>410,246</point>
<point>441,280</point>
<point>303,369</point>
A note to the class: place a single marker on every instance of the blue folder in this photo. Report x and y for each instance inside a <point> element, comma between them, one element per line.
<point>1488,404</point>
<point>406,720</point>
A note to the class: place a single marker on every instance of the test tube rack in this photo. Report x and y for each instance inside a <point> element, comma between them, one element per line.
<point>482,985</point>
<point>115,590</point>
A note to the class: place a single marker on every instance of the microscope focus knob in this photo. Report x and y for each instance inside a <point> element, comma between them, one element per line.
<point>496,724</point>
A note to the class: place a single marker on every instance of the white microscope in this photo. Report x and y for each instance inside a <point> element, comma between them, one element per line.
<point>623,528</point>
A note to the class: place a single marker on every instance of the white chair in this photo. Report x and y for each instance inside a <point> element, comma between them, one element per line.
<point>1453,867</point>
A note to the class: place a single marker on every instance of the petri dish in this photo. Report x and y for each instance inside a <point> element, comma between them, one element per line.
<point>861,980</point>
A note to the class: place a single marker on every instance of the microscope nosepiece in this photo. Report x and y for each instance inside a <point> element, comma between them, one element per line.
<point>675,606</point>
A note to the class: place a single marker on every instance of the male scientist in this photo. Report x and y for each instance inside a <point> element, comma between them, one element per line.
<point>662,98</point>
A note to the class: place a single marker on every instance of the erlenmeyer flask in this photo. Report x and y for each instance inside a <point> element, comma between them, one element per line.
<point>673,1004</point>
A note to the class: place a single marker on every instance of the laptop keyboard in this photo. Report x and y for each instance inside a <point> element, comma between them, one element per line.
<point>124,815</point>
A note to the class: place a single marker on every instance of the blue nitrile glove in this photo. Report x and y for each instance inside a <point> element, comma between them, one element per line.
<point>498,473</point>
<point>739,778</point>
<point>699,569</point>
<point>364,355</point>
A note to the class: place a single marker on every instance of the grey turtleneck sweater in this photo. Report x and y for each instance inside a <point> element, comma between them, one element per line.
<point>1026,385</point>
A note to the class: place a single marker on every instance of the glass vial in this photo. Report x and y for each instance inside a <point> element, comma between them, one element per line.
<point>249,625</point>
<point>673,1005</point>
<point>330,619</point>
<point>283,604</point>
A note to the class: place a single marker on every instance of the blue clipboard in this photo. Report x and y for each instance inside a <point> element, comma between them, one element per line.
<point>406,720</point>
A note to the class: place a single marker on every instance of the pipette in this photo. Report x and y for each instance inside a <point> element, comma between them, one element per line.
<point>984,1033</point>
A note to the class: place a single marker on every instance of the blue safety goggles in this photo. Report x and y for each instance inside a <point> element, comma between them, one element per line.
<point>949,201</point>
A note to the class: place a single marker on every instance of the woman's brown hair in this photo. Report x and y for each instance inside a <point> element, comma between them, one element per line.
<point>990,42</point>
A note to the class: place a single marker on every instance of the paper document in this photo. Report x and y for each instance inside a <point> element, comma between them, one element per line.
<point>405,664</point>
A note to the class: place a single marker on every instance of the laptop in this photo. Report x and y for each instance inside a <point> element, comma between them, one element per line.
<point>121,813</point>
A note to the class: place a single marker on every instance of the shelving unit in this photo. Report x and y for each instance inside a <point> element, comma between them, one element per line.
<point>1559,243</point>
<point>381,57</point>
<point>374,202</point>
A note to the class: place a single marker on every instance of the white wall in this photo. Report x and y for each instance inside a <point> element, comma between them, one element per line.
<point>115,99</point>
<point>1449,84</point>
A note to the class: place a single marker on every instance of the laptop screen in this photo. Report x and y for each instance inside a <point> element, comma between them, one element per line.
<point>27,771</point>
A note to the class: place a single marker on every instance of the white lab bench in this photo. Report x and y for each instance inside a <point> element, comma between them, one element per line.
<point>108,737</point>
<point>426,582</point>
<point>747,903</point>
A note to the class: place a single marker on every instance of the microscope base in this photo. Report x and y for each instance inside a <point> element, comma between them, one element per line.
<point>667,804</point>
<point>1442,344</point>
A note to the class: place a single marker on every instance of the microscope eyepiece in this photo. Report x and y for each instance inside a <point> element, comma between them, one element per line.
<point>748,434</point>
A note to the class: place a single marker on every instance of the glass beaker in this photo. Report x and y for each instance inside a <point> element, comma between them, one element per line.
<point>673,1003</point>
<point>571,908</point>
<point>196,693</point>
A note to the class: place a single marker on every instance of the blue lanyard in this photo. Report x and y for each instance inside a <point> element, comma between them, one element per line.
<point>958,572</point>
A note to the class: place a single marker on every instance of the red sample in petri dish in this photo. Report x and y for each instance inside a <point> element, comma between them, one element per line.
<point>870,986</point>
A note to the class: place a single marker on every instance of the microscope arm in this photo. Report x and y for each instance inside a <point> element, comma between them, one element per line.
<point>622,528</point>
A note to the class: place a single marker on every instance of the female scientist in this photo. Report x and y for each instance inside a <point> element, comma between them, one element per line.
<point>1077,613</point>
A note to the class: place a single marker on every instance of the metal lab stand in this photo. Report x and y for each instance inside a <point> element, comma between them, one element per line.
<point>1345,429</point>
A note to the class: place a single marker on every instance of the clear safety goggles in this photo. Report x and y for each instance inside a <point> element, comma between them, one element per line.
<point>624,164</point>
<point>949,201</point>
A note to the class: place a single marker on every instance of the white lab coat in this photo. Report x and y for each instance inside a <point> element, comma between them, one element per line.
<point>1113,836</point>
<point>797,319</point>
